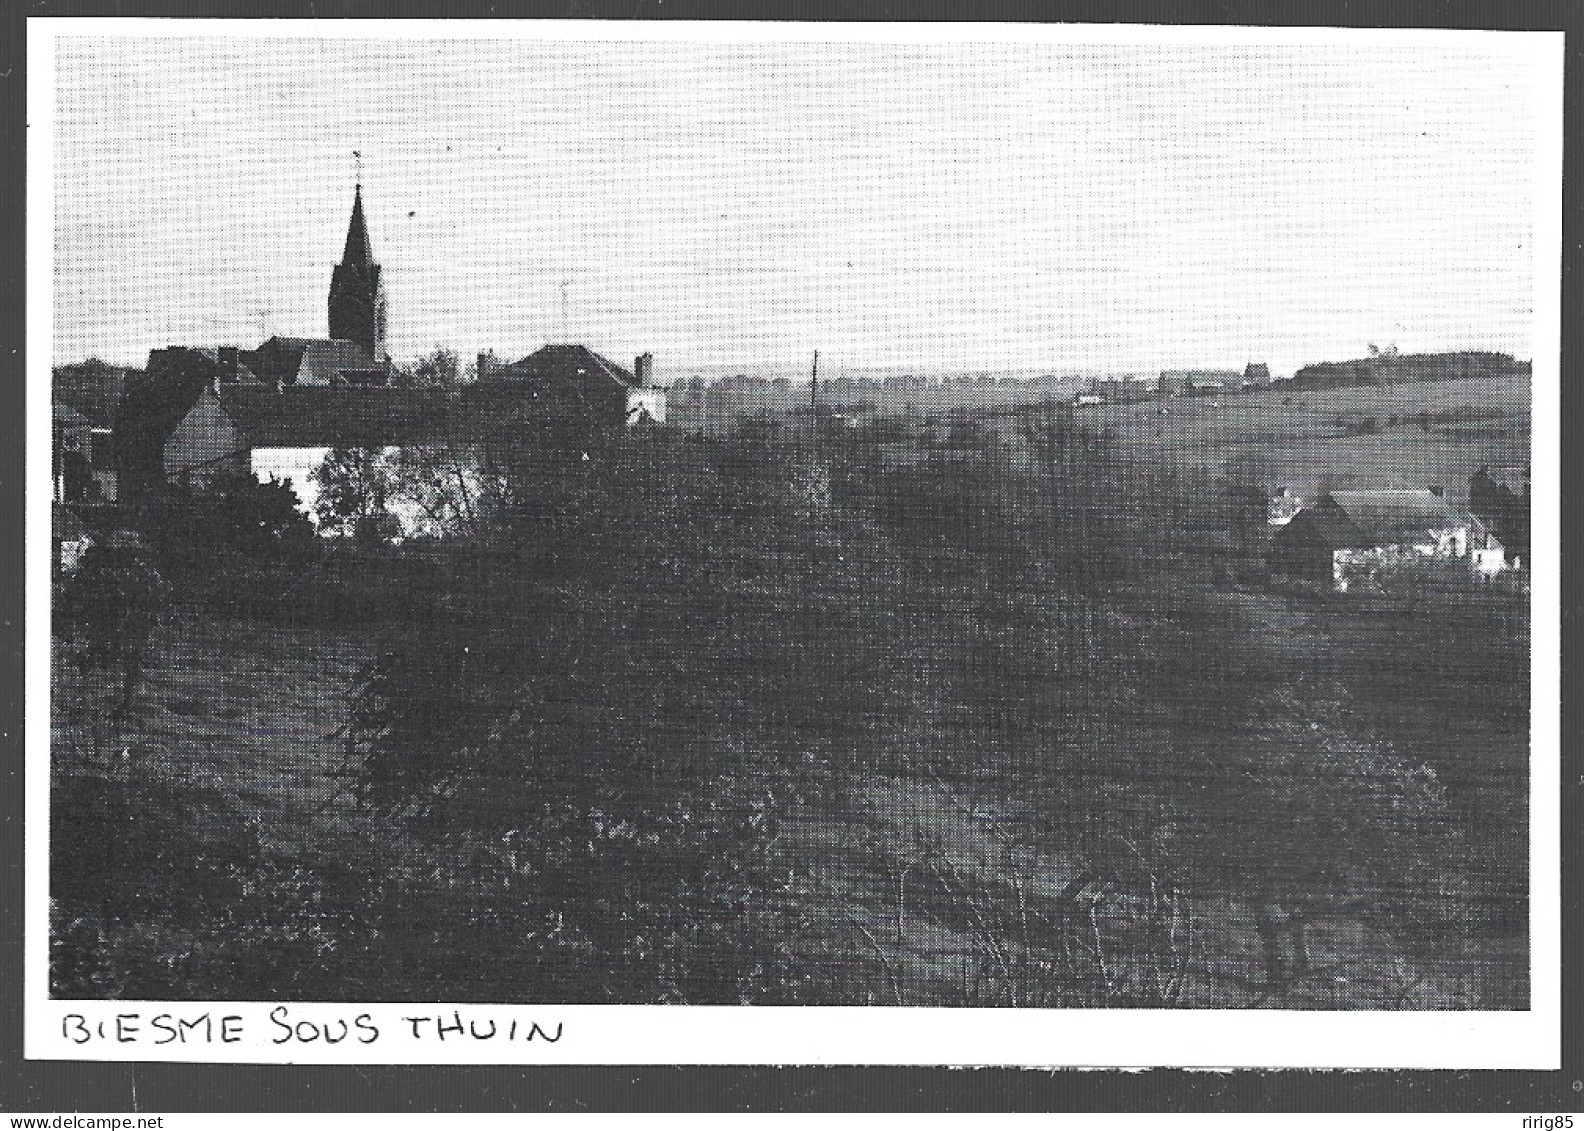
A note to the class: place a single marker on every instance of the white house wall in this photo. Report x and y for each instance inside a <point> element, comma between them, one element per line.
<point>652,401</point>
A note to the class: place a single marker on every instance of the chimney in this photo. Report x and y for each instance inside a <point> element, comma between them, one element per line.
<point>643,369</point>
<point>486,358</point>
<point>228,364</point>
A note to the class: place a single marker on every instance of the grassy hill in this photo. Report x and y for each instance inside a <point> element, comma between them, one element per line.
<point>1408,435</point>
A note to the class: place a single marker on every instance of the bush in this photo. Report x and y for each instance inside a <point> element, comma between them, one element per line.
<point>132,858</point>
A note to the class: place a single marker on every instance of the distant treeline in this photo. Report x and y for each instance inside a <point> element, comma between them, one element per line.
<point>694,402</point>
<point>1395,368</point>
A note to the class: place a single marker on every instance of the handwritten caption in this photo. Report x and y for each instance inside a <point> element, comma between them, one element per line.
<point>284,1027</point>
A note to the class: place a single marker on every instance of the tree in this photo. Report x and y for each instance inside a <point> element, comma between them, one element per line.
<point>355,489</point>
<point>440,368</point>
<point>112,605</point>
<point>446,490</point>
<point>256,516</point>
<point>606,715</point>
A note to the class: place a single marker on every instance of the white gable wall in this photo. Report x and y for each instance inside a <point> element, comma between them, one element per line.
<point>650,401</point>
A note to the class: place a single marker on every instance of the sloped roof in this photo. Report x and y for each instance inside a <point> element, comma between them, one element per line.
<point>154,402</point>
<point>317,416</point>
<point>564,363</point>
<point>1359,519</point>
<point>308,359</point>
<point>362,417</point>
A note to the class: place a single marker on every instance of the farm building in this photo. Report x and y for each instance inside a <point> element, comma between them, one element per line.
<point>1500,497</point>
<point>288,433</point>
<point>1352,536</point>
<point>575,382</point>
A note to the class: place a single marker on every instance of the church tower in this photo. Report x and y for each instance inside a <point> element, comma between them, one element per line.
<point>357,297</point>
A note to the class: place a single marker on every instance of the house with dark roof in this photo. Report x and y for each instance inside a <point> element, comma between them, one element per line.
<point>572,381</point>
<point>309,361</point>
<point>196,413</point>
<point>82,457</point>
<point>285,433</point>
<point>1349,537</point>
<point>1500,496</point>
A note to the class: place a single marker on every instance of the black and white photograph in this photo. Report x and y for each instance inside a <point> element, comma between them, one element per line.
<point>1016,525</point>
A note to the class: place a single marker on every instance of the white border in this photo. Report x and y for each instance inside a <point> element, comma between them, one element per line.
<point>832,1035</point>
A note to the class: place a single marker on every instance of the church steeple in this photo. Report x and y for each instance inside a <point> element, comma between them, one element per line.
<point>357,297</point>
<point>358,249</point>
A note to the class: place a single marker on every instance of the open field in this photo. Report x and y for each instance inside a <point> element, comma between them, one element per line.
<point>1283,436</point>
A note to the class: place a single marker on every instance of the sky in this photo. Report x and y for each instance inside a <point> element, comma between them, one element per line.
<point>731,207</point>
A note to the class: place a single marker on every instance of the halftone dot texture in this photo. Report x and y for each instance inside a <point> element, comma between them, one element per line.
<point>1010,715</point>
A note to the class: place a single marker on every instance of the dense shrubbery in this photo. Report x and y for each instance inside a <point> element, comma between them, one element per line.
<point>231,513</point>
<point>578,759</point>
<point>687,619</point>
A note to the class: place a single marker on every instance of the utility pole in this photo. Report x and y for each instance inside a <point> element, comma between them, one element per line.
<point>814,383</point>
